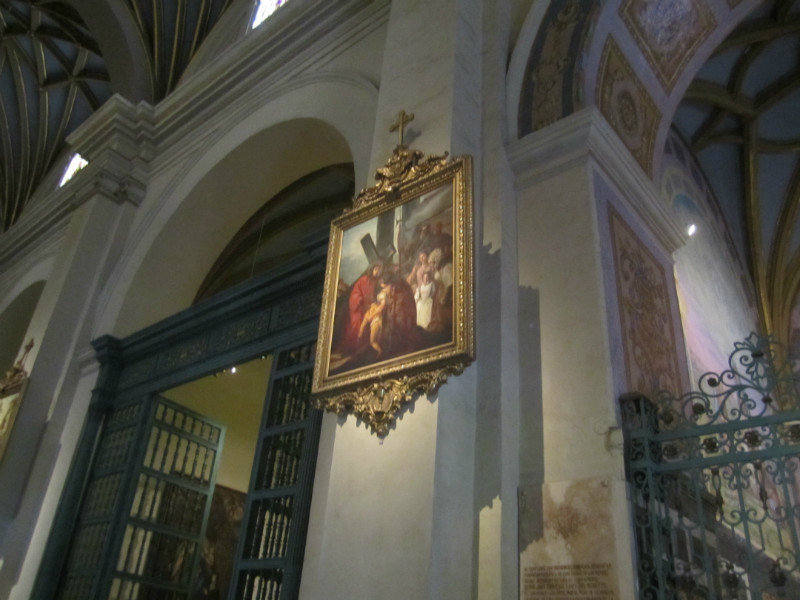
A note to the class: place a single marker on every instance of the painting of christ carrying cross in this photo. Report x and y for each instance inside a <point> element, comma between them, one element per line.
<point>395,283</point>
<point>397,313</point>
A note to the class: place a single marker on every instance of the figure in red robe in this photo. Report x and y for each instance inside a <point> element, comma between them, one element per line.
<point>362,295</point>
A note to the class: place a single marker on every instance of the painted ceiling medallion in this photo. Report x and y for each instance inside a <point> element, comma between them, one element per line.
<point>626,104</point>
<point>668,33</point>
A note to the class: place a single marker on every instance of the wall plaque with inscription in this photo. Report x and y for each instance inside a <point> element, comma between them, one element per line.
<point>568,582</point>
<point>568,546</point>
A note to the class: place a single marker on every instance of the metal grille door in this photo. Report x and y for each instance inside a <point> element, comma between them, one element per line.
<point>163,537</point>
<point>141,527</point>
<point>105,493</point>
<point>271,547</point>
<point>715,483</point>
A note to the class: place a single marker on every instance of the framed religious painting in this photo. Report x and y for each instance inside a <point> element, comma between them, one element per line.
<point>397,313</point>
<point>12,391</point>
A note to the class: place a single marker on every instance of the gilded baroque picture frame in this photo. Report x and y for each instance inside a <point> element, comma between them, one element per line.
<point>398,309</point>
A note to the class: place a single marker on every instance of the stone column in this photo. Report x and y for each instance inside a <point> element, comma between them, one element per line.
<point>397,518</point>
<point>116,141</point>
<point>575,523</point>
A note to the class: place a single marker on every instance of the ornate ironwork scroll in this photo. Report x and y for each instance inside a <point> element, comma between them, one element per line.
<point>715,481</point>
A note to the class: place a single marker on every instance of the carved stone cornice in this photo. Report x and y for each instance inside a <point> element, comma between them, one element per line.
<point>586,135</point>
<point>119,142</point>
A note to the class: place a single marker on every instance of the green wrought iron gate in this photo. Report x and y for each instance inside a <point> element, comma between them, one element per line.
<point>270,554</point>
<point>140,532</point>
<point>714,480</point>
<point>127,524</point>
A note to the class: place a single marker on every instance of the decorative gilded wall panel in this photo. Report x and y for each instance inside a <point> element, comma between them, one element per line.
<point>646,321</point>
<point>624,101</point>
<point>548,91</point>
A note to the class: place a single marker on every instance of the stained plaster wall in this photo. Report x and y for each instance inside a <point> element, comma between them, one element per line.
<point>716,295</point>
<point>564,268</point>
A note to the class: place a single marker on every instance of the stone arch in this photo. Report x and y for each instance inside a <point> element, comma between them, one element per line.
<point>122,46</point>
<point>193,210</point>
<point>198,230</point>
<point>632,59</point>
<point>25,286</point>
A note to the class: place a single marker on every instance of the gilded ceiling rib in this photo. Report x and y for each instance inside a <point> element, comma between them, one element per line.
<point>157,12</point>
<point>54,77</point>
<point>720,96</point>
<point>23,167</point>
<point>782,279</point>
<point>760,30</point>
<point>43,104</point>
<point>173,33</point>
<point>61,131</point>
<point>793,284</point>
<point>8,160</point>
<point>201,25</point>
<point>753,225</point>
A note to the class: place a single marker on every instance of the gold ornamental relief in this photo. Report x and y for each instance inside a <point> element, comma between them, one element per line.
<point>16,375</point>
<point>397,311</point>
<point>379,403</point>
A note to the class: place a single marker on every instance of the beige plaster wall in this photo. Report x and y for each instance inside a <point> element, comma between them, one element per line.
<point>559,256</point>
<point>577,517</point>
<point>373,534</point>
<point>236,400</point>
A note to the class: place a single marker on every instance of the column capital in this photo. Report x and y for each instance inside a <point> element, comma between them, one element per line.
<point>586,136</point>
<point>118,140</point>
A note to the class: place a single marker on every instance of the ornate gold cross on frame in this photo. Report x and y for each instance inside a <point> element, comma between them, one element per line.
<point>400,124</point>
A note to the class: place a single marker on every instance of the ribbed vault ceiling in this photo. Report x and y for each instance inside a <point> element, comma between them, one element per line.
<point>172,31</point>
<point>741,117</point>
<point>54,75</point>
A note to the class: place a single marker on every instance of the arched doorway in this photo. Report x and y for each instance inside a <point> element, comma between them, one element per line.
<point>166,466</point>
